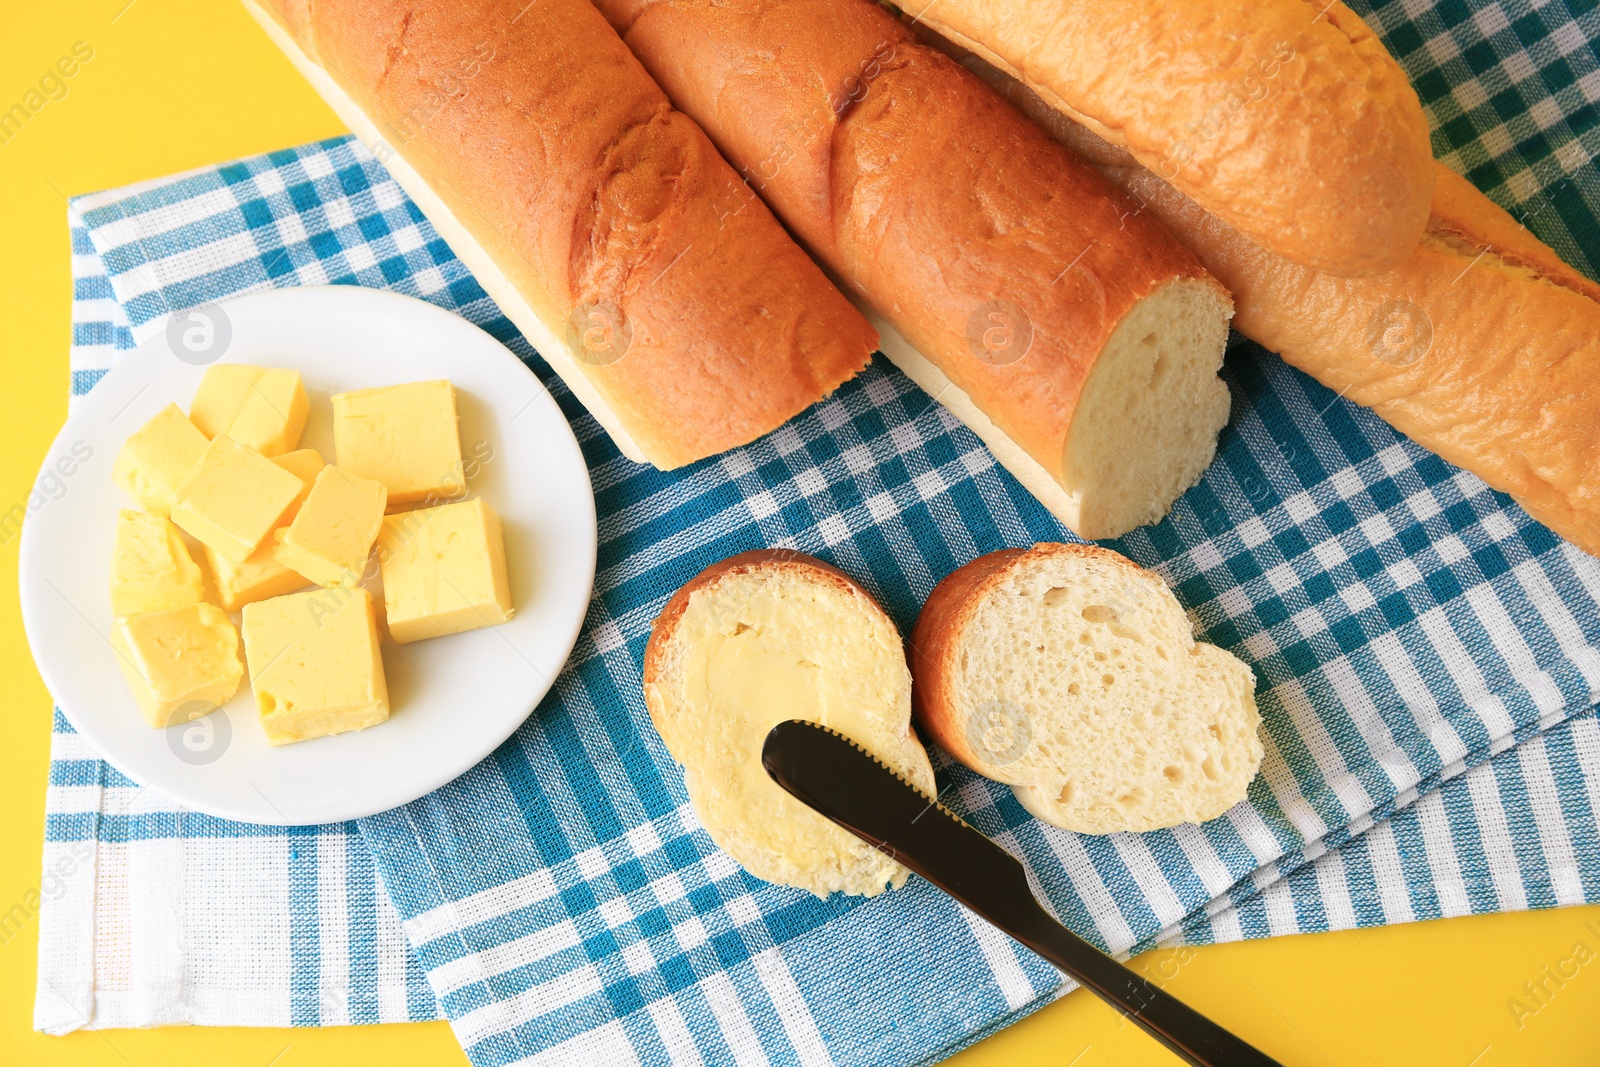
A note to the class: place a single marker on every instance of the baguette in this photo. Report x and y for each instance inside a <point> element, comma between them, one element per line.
<point>758,639</point>
<point>1080,341</point>
<point>1483,345</point>
<point>1070,673</point>
<point>1289,120</point>
<point>603,222</point>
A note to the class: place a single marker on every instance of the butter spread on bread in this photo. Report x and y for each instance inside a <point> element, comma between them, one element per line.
<point>1070,673</point>
<point>601,221</point>
<point>762,638</point>
<point>1288,119</point>
<point>1078,339</point>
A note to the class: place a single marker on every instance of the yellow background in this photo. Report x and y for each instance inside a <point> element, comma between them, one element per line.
<point>176,84</point>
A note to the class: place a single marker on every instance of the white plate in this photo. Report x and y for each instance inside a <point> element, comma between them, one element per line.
<point>453,699</point>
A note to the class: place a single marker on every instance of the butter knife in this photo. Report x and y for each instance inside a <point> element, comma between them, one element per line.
<point>828,772</point>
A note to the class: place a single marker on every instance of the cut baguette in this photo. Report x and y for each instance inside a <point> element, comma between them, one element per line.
<point>1078,340</point>
<point>1071,674</point>
<point>758,639</point>
<point>602,222</point>
<point>1482,345</point>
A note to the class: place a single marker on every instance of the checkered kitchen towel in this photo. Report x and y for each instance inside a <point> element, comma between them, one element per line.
<point>1408,626</point>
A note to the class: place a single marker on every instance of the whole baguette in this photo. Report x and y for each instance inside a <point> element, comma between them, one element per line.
<point>603,221</point>
<point>1287,119</point>
<point>1482,345</point>
<point>955,219</point>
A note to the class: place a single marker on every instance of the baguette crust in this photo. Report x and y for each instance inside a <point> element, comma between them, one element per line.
<point>1487,355</point>
<point>1232,101</point>
<point>935,644</point>
<point>606,209</point>
<point>927,195</point>
<point>1482,346</point>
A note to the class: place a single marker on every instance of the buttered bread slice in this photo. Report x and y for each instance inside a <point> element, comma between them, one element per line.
<point>1071,674</point>
<point>758,639</point>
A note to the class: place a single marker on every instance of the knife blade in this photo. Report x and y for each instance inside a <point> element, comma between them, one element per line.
<point>830,773</point>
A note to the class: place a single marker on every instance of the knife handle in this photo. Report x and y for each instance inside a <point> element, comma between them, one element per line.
<point>1163,1016</point>
<point>826,771</point>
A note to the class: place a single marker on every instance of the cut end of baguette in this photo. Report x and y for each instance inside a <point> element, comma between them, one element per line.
<point>1146,424</point>
<point>1072,675</point>
<point>759,639</point>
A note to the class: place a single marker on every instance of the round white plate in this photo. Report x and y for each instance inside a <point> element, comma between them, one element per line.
<point>452,699</point>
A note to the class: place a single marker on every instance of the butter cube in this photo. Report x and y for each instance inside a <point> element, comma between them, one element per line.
<point>156,459</point>
<point>233,499</point>
<point>331,536</point>
<point>222,393</point>
<point>151,568</point>
<point>262,576</point>
<point>444,571</point>
<point>257,578</point>
<point>181,663</point>
<point>404,436</point>
<point>263,407</point>
<point>305,464</point>
<point>315,665</point>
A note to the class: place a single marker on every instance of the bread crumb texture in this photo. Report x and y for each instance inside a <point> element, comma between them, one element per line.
<point>762,639</point>
<point>1075,678</point>
<point>1146,426</point>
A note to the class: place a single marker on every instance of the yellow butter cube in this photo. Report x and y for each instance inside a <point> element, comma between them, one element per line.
<point>151,568</point>
<point>233,499</point>
<point>315,664</point>
<point>332,534</point>
<point>263,407</point>
<point>305,464</point>
<point>404,436</point>
<point>156,459</point>
<point>257,578</point>
<point>222,393</point>
<point>444,571</point>
<point>181,663</point>
<point>261,575</point>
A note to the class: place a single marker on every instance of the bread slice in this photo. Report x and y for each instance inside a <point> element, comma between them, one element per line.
<point>1070,673</point>
<point>758,639</point>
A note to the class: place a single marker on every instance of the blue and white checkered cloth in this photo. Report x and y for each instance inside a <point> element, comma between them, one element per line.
<point>1415,635</point>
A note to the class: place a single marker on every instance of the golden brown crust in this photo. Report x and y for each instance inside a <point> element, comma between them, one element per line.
<point>935,643</point>
<point>776,560</point>
<point>1462,213</point>
<point>1483,345</point>
<point>546,138</point>
<point>936,638</point>
<point>1490,360</point>
<point>1233,102</point>
<point>955,217</point>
